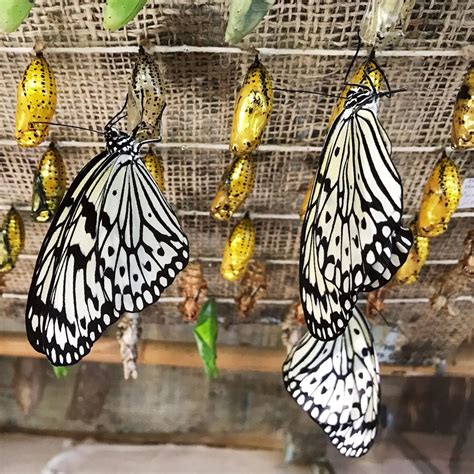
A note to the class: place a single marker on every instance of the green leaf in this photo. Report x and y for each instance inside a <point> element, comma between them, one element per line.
<point>244,16</point>
<point>205,333</point>
<point>12,14</point>
<point>60,372</point>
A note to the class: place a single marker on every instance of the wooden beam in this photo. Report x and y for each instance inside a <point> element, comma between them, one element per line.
<point>236,358</point>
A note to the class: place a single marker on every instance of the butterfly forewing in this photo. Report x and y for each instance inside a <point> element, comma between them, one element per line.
<point>337,383</point>
<point>352,239</point>
<point>79,285</point>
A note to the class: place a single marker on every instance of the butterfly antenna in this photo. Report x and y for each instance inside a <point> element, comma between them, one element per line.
<point>302,91</point>
<point>359,43</point>
<point>117,117</point>
<point>100,132</point>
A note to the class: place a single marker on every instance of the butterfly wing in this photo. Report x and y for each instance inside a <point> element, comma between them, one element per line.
<point>352,239</point>
<point>79,287</point>
<point>337,383</point>
<point>141,247</point>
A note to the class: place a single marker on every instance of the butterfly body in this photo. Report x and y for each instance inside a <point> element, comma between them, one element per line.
<point>352,239</point>
<point>113,245</point>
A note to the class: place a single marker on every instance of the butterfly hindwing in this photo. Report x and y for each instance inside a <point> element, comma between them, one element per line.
<point>352,238</point>
<point>337,383</point>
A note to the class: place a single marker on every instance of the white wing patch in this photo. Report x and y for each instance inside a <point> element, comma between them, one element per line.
<point>114,245</point>
<point>337,383</point>
<point>352,238</point>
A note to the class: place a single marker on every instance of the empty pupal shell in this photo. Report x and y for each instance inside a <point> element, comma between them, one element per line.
<point>409,272</point>
<point>146,100</point>
<point>154,164</point>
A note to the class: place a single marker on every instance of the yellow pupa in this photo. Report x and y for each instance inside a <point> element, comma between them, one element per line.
<point>36,102</point>
<point>154,165</point>
<point>238,249</point>
<point>252,110</point>
<point>462,130</point>
<point>440,198</point>
<point>369,69</point>
<point>12,240</point>
<point>49,185</point>
<point>409,272</point>
<point>236,185</point>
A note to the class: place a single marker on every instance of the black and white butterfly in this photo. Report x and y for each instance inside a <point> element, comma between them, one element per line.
<point>337,383</point>
<point>352,238</point>
<point>114,245</point>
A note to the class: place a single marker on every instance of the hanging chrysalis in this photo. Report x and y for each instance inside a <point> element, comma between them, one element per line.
<point>252,110</point>
<point>385,21</point>
<point>13,13</point>
<point>409,272</point>
<point>235,187</point>
<point>252,287</point>
<point>369,74</point>
<point>36,102</point>
<point>238,249</point>
<point>146,100</point>
<point>12,241</point>
<point>244,16</point>
<point>462,131</point>
<point>440,198</point>
<point>154,164</point>
<point>118,13</point>
<point>49,185</point>
<point>305,202</point>
<point>192,286</point>
<point>205,334</point>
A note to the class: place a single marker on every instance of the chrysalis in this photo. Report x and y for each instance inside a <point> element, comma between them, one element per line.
<point>154,165</point>
<point>49,185</point>
<point>462,131</point>
<point>385,21</point>
<point>12,14</point>
<point>244,16</point>
<point>440,198</point>
<point>252,110</point>
<point>12,240</point>
<point>238,249</point>
<point>236,185</point>
<point>409,272</point>
<point>36,102</point>
<point>118,13</point>
<point>146,100</point>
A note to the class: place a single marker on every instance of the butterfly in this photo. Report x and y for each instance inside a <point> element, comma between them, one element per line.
<point>337,383</point>
<point>352,238</point>
<point>113,246</point>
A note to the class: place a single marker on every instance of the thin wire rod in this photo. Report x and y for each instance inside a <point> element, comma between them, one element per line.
<point>225,146</point>
<point>280,302</point>
<point>254,215</point>
<point>233,50</point>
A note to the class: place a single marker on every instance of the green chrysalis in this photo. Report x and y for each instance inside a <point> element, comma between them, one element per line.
<point>244,16</point>
<point>118,13</point>
<point>60,372</point>
<point>12,14</point>
<point>205,333</point>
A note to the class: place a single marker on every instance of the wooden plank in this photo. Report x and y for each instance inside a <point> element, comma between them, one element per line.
<point>236,358</point>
